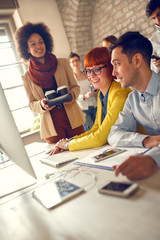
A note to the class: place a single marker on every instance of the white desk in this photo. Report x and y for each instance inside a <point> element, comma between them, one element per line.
<point>90,216</point>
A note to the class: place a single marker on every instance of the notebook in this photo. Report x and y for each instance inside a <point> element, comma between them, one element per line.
<point>57,160</point>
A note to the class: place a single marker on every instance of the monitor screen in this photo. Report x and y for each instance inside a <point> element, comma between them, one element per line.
<point>10,140</point>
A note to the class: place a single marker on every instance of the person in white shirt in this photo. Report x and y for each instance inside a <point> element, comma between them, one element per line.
<point>153,12</point>
<point>130,57</point>
<point>87,99</point>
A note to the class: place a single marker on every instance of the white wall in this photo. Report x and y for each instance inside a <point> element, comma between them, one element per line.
<point>46,11</point>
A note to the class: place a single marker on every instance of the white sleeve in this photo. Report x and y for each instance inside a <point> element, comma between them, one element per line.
<point>123,132</point>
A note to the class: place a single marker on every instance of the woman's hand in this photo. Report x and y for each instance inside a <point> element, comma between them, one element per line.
<point>60,146</point>
<point>45,106</point>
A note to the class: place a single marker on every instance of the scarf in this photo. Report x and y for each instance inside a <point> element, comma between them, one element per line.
<point>42,73</point>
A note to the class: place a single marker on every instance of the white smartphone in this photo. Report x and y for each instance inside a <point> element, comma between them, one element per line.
<point>52,193</point>
<point>107,154</point>
<point>121,189</point>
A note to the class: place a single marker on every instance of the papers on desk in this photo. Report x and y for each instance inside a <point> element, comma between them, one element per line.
<point>107,163</point>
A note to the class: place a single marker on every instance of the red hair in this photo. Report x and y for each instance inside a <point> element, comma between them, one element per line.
<point>97,56</point>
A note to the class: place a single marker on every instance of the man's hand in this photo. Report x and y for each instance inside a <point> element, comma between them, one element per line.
<point>156,62</point>
<point>151,141</point>
<point>137,167</point>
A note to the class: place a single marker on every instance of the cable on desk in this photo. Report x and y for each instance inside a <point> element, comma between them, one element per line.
<point>63,174</point>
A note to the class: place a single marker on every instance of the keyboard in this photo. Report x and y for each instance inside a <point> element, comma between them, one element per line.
<point>58,159</point>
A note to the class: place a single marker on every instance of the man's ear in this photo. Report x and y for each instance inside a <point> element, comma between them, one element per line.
<point>137,60</point>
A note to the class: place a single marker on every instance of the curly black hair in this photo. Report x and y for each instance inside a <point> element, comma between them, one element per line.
<point>23,34</point>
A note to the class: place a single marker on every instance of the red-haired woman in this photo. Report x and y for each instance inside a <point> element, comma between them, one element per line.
<point>110,100</point>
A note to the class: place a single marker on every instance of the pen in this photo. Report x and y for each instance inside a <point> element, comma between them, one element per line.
<point>142,153</point>
<point>148,150</point>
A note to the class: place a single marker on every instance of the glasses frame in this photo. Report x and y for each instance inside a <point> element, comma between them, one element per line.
<point>89,71</point>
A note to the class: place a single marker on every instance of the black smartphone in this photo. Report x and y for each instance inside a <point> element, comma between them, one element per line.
<point>155,57</point>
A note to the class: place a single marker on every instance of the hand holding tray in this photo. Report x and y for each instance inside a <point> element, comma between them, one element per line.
<point>58,97</point>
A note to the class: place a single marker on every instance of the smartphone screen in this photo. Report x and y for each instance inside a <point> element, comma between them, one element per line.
<point>102,155</point>
<point>116,186</point>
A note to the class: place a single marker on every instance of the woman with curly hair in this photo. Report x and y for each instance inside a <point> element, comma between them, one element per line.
<point>45,73</point>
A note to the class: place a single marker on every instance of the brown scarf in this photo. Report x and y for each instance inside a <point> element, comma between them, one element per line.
<point>42,74</point>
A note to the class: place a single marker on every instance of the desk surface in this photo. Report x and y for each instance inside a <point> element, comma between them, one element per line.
<point>90,216</point>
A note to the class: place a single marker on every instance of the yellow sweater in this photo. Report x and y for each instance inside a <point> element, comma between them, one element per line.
<point>97,135</point>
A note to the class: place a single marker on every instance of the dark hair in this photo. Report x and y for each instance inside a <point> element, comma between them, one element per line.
<point>152,6</point>
<point>23,34</point>
<point>71,55</point>
<point>132,43</point>
<point>97,56</point>
<point>110,39</point>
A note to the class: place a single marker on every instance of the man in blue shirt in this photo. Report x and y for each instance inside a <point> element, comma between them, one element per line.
<point>131,56</point>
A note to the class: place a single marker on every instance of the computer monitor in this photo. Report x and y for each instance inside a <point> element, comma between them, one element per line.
<point>10,140</point>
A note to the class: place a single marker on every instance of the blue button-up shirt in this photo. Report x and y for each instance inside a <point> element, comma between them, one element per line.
<point>140,108</point>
